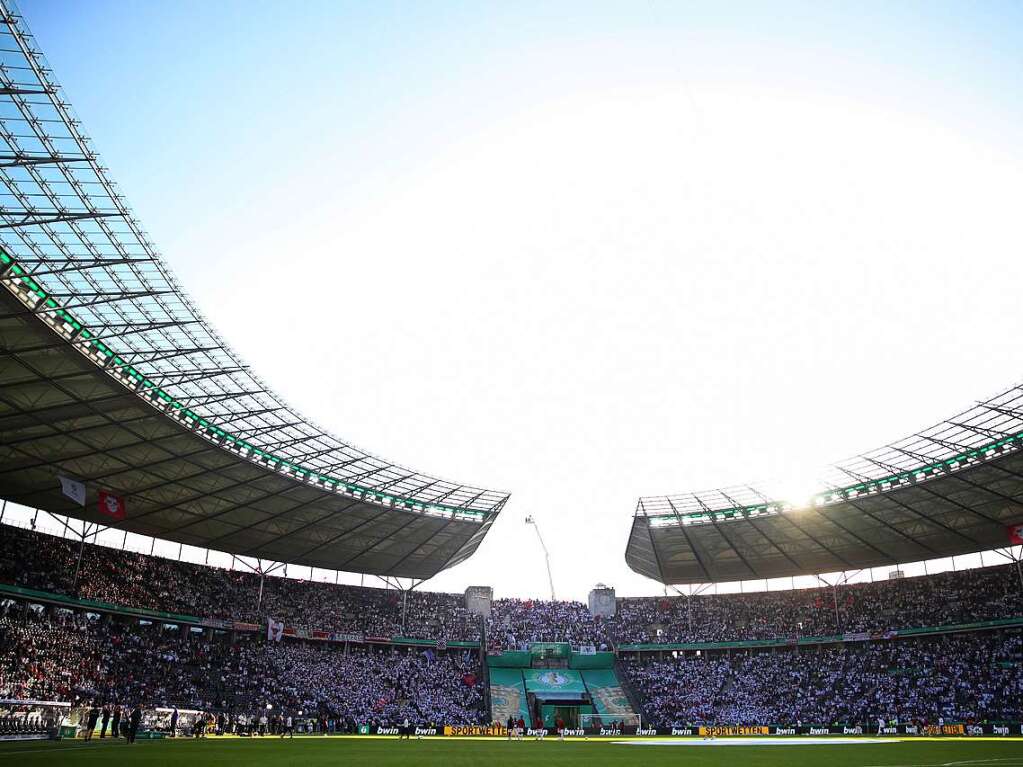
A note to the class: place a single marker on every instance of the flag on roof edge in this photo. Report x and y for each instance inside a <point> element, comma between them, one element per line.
<point>112,505</point>
<point>73,489</point>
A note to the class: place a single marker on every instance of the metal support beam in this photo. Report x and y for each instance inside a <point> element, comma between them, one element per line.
<point>32,218</point>
<point>21,159</point>
<point>12,90</point>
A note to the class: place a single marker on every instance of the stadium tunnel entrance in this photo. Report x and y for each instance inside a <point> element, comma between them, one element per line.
<point>552,684</point>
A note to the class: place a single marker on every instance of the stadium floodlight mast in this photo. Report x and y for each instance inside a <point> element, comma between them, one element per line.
<point>546,554</point>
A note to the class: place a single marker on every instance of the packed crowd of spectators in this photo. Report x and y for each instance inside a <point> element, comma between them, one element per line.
<point>68,656</point>
<point>945,598</point>
<point>52,564</point>
<point>514,623</point>
<point>88,659</point>
<point>961,677</point>
<point>48,563</point>
<point>366,686</point>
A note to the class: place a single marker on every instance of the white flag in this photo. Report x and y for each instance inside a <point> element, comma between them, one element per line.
<point>73,489</point>
<point>274,630</point>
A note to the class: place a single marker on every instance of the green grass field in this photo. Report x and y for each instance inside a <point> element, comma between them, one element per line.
<point>448,752</point>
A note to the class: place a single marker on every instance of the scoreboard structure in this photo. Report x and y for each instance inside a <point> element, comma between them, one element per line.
<point>602,601</point>
<point>478,600</point>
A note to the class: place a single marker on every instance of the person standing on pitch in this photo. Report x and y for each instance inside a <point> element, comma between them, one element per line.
<point>133,723</point>
<point>174,723</point>
<point>105,722</point>
<point>115,723</point>
<point>511,726</point>
<point>90,722</point>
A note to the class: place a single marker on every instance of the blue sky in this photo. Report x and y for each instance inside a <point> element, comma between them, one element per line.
<point>579,251</point>
<point>384,85</point>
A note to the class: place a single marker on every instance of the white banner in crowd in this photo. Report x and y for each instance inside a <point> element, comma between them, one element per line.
<point>274,630</point>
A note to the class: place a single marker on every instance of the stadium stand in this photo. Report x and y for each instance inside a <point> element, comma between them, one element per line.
<point>69,656</point>
<point>45,562</point>
<point>74,657</point>
<point>363,686</point>
<point>941,599</point>
<point>49,563</point>
<point>81,650</point>
<point>963,678</point>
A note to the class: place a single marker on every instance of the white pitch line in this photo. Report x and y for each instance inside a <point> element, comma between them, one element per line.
<point>1002,761</point>
<point>56,749</point>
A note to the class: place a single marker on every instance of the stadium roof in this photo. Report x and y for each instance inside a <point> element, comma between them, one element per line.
<point>109,375</point>
<point>949,490</point>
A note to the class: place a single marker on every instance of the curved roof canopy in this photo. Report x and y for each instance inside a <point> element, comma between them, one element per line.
<point>947,491</point>
<point>110,376</point>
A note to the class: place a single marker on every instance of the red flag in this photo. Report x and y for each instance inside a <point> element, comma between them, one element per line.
<point>112,505</point>
<point>1015,534</point>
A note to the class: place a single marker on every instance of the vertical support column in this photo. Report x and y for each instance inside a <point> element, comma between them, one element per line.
<point>1019,570</point>
<point>834,602</point>
<point>404,609</point>
<point>81,553</point>
<point>838,621</point>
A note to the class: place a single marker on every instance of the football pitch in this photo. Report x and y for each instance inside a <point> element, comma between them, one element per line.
<point>447,752</point>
